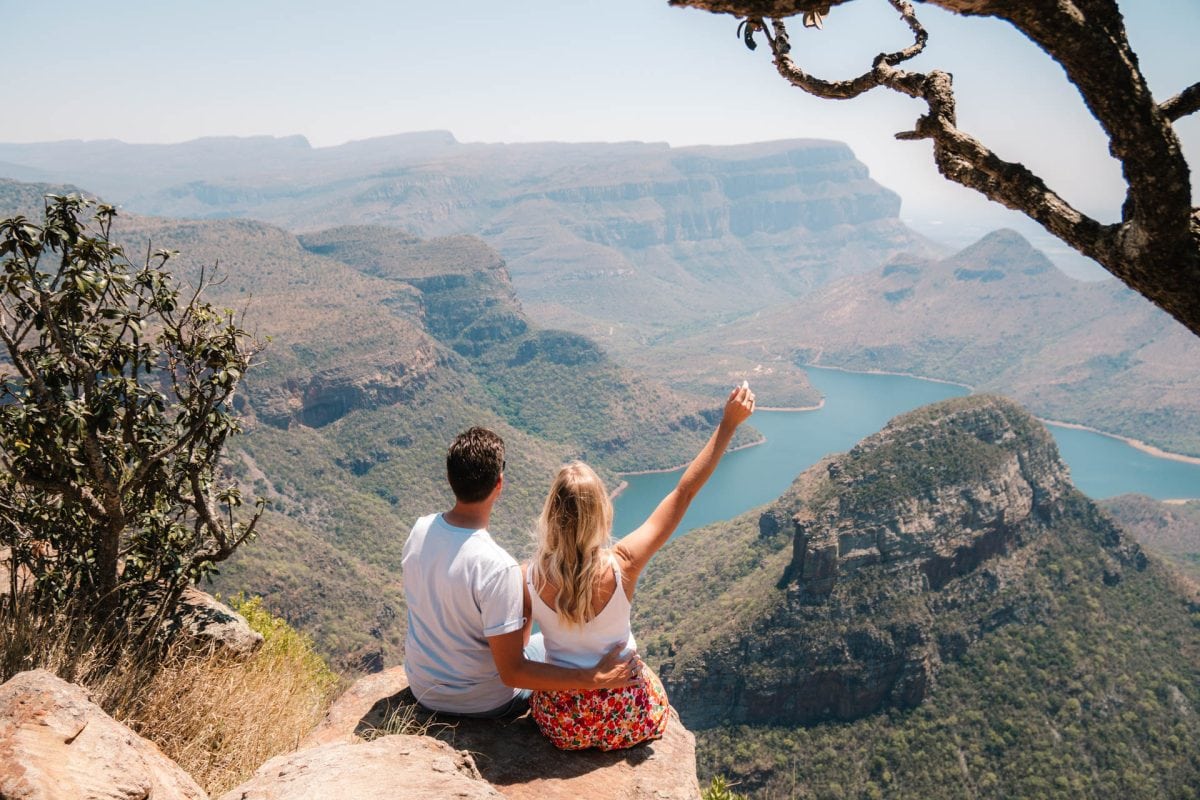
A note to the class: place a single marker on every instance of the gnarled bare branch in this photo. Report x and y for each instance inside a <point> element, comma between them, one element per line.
<point>1155,249</point>
<point>959,157</point>
<point>1182,104</point>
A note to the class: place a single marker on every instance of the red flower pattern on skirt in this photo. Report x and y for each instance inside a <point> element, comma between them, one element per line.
<point>610,719</point>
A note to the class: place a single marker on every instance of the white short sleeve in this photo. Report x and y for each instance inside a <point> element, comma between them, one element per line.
<point>502,603</point>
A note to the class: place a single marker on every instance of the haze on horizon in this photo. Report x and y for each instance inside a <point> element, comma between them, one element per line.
<point>539,70</point>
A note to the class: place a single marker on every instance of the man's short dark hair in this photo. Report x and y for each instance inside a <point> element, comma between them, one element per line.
<point>474,463</point>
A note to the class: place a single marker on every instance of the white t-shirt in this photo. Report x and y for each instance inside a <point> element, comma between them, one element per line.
<point>461,587</point>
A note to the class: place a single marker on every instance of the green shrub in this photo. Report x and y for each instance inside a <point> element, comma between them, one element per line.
<point>719,789</point>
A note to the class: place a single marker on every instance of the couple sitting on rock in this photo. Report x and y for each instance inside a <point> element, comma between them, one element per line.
<point>471,606</point>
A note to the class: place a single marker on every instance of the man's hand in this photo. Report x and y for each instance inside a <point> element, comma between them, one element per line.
<point>615,672</point>
<point>612,671</point>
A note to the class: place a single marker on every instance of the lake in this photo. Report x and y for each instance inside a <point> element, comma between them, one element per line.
<point>857,405</point>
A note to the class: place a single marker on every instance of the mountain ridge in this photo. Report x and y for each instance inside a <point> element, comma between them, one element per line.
<point>600,238</point>
<point>935,612</point>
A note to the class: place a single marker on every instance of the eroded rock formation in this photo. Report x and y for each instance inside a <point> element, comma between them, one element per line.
<point>375,743</point>
<point>397,767</point>
<point>208,624</point>
<point>57,744</point>
<point>902,553</point>
<point>511,754</point>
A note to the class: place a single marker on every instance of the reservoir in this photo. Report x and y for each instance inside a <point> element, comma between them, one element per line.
<point>857,405</point>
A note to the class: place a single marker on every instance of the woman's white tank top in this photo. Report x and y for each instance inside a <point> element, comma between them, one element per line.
<point>583,645</point>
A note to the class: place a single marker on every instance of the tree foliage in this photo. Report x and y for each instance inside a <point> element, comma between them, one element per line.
<point>1155,248</point>
<point>115,405</point>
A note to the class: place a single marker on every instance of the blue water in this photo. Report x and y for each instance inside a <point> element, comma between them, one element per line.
<point>1102,466</point>
<point>857,405</point>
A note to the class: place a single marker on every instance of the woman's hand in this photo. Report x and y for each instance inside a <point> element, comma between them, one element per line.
<point>739,406</point>
<point>635,550</point>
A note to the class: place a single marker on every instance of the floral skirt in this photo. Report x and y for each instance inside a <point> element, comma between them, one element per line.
<point>610,719</point>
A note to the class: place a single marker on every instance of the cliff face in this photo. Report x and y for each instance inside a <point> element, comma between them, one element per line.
<point>627,241</point>
<point>881,564</point>
<point>936,499</point>
<point>705,193</point>
<point>557,384</point>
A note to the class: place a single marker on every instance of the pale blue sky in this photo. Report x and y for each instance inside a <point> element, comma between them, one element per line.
<point>570,70</point>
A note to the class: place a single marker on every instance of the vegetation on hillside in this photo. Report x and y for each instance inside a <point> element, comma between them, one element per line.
<point>1096,699</point>
<point>374,365</point>
<point>1170,529</point>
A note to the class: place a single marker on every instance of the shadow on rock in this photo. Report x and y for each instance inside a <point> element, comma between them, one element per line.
<point>508,751</point>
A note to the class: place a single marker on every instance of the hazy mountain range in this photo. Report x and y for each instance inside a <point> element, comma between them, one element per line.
<point>635,237</point>
<point>703,265</point>
<point>997,316</point>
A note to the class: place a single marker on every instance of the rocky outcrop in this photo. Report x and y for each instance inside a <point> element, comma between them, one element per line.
<point>343,719</point>
<point>204,622</point>
<point>397,767</point>
<point>903,552</point>
<point>461,289</point>
<point>511,754</point>
<point>939,495</point>
<point>55,744</point>
<point>330,394</point>
<point>375,743</point>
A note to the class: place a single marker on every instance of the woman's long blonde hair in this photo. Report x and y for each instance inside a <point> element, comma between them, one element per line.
<point>574,537</point>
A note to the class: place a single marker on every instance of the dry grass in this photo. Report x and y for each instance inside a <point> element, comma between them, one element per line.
<point>218,718</point>
<point>408,719</point>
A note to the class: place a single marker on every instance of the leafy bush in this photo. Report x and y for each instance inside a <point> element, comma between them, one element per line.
<point>115,405</point>
<point>719,790</point>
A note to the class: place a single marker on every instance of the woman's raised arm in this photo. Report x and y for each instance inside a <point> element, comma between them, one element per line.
<point>636,549</point>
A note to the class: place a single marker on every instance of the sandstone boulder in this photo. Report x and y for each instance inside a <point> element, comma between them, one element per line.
<point>55,744</point>
<point>389,768</point>
<point>207,623</point>
<point>23,578</point>
<point>341,722</point>
<point>511,754</point>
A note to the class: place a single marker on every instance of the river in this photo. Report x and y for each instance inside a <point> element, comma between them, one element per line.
<point>857,405</point>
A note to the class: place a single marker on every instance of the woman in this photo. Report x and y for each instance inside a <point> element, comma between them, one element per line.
<point>579,588</point>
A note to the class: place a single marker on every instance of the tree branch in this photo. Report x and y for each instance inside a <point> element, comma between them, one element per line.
<point>959,157</point>
<point>1182,104</point>
<point>81,495</point>
<point>880,74</point>
<point>1155,249</point>
<point>761,9</point>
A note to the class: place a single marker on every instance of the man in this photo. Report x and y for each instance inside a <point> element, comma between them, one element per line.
<point>468,650</point>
